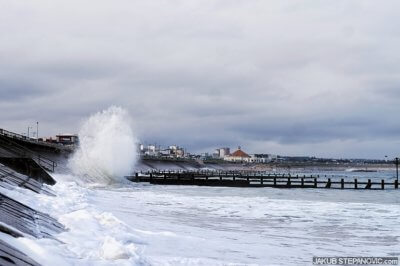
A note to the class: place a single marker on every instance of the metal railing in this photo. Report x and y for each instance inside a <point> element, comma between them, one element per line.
<point>15,135</point>
<point>22,151</point>
<point>58,146</point>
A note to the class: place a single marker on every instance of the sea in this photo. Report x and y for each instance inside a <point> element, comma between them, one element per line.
<point>130,223</point>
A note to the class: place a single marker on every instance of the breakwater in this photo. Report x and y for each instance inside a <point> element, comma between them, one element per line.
<point>257,179</point>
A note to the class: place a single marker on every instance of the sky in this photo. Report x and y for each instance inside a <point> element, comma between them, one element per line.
<point>317,78</point>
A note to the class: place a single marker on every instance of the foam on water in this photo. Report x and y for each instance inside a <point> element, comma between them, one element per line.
<point>93,237</point>
<point>139,224</point>
<point>107,150</point>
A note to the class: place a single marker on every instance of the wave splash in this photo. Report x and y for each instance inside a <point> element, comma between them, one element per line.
<point>107,150</point>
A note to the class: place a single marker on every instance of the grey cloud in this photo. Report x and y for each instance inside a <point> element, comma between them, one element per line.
<point>12,90</point>
<point>286,77</point>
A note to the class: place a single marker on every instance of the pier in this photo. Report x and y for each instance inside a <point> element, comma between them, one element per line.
<point>258,179</point>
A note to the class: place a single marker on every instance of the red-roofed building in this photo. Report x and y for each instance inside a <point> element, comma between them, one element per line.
<point>238,156</point>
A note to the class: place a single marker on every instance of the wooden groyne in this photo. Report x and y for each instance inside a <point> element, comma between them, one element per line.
<point>258,179</point>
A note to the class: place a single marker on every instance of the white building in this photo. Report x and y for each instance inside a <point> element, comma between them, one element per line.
<point>151,150</point>
<point>221,152</point>
<point>262,158</point>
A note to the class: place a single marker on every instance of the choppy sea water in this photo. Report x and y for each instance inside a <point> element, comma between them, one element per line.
<point>144,224</point>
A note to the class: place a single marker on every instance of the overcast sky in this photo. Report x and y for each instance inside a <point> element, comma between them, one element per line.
<point>285,77</point>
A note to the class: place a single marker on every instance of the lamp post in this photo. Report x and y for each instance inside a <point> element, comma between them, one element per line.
<point>37,131</point>
<point>397,168</point>
<point>29,127</point>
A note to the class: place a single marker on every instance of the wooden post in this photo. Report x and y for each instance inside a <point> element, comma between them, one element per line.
<point>220,177</point>
<point>275,181</point>
<point>165,176</point>
<point>342,183</point>
<point>397,168</point>
<point>355,183</point>
<point>151,177</point>
<point>289,183</point>
<point>383,184</point>
<point>369,184</point>
<point>262,180</point>
<point>234,178</point>
<point>329,183</point>
<point>302,182</point>
<point>315,183</point>
<point>396,184</point>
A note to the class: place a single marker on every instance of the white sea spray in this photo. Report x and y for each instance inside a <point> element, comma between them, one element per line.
<point>107,150</point>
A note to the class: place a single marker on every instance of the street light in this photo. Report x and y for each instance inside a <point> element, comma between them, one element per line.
<point>397,168</point>
<point>37,131</point>
<point>29,127</point>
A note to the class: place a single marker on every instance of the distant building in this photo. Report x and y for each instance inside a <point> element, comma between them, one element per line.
<point>224,152</point>
<point>176,151</point>
<point>262,158</point>
<point>148,150</point>
<point>238,156</point>
<point>165,153</point>
<point>153,150</point>
<point>141,148</point>
<point>67,139</point>
<point>216,153</point>
<point>221,153</point>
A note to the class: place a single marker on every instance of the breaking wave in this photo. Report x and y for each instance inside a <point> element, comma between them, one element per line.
<point>107,150</point>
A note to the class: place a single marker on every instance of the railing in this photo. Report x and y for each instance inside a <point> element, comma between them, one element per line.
<point>15,135</point>
<point>46,163</point>
<point>22,151</point>
<point>52,145</point>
